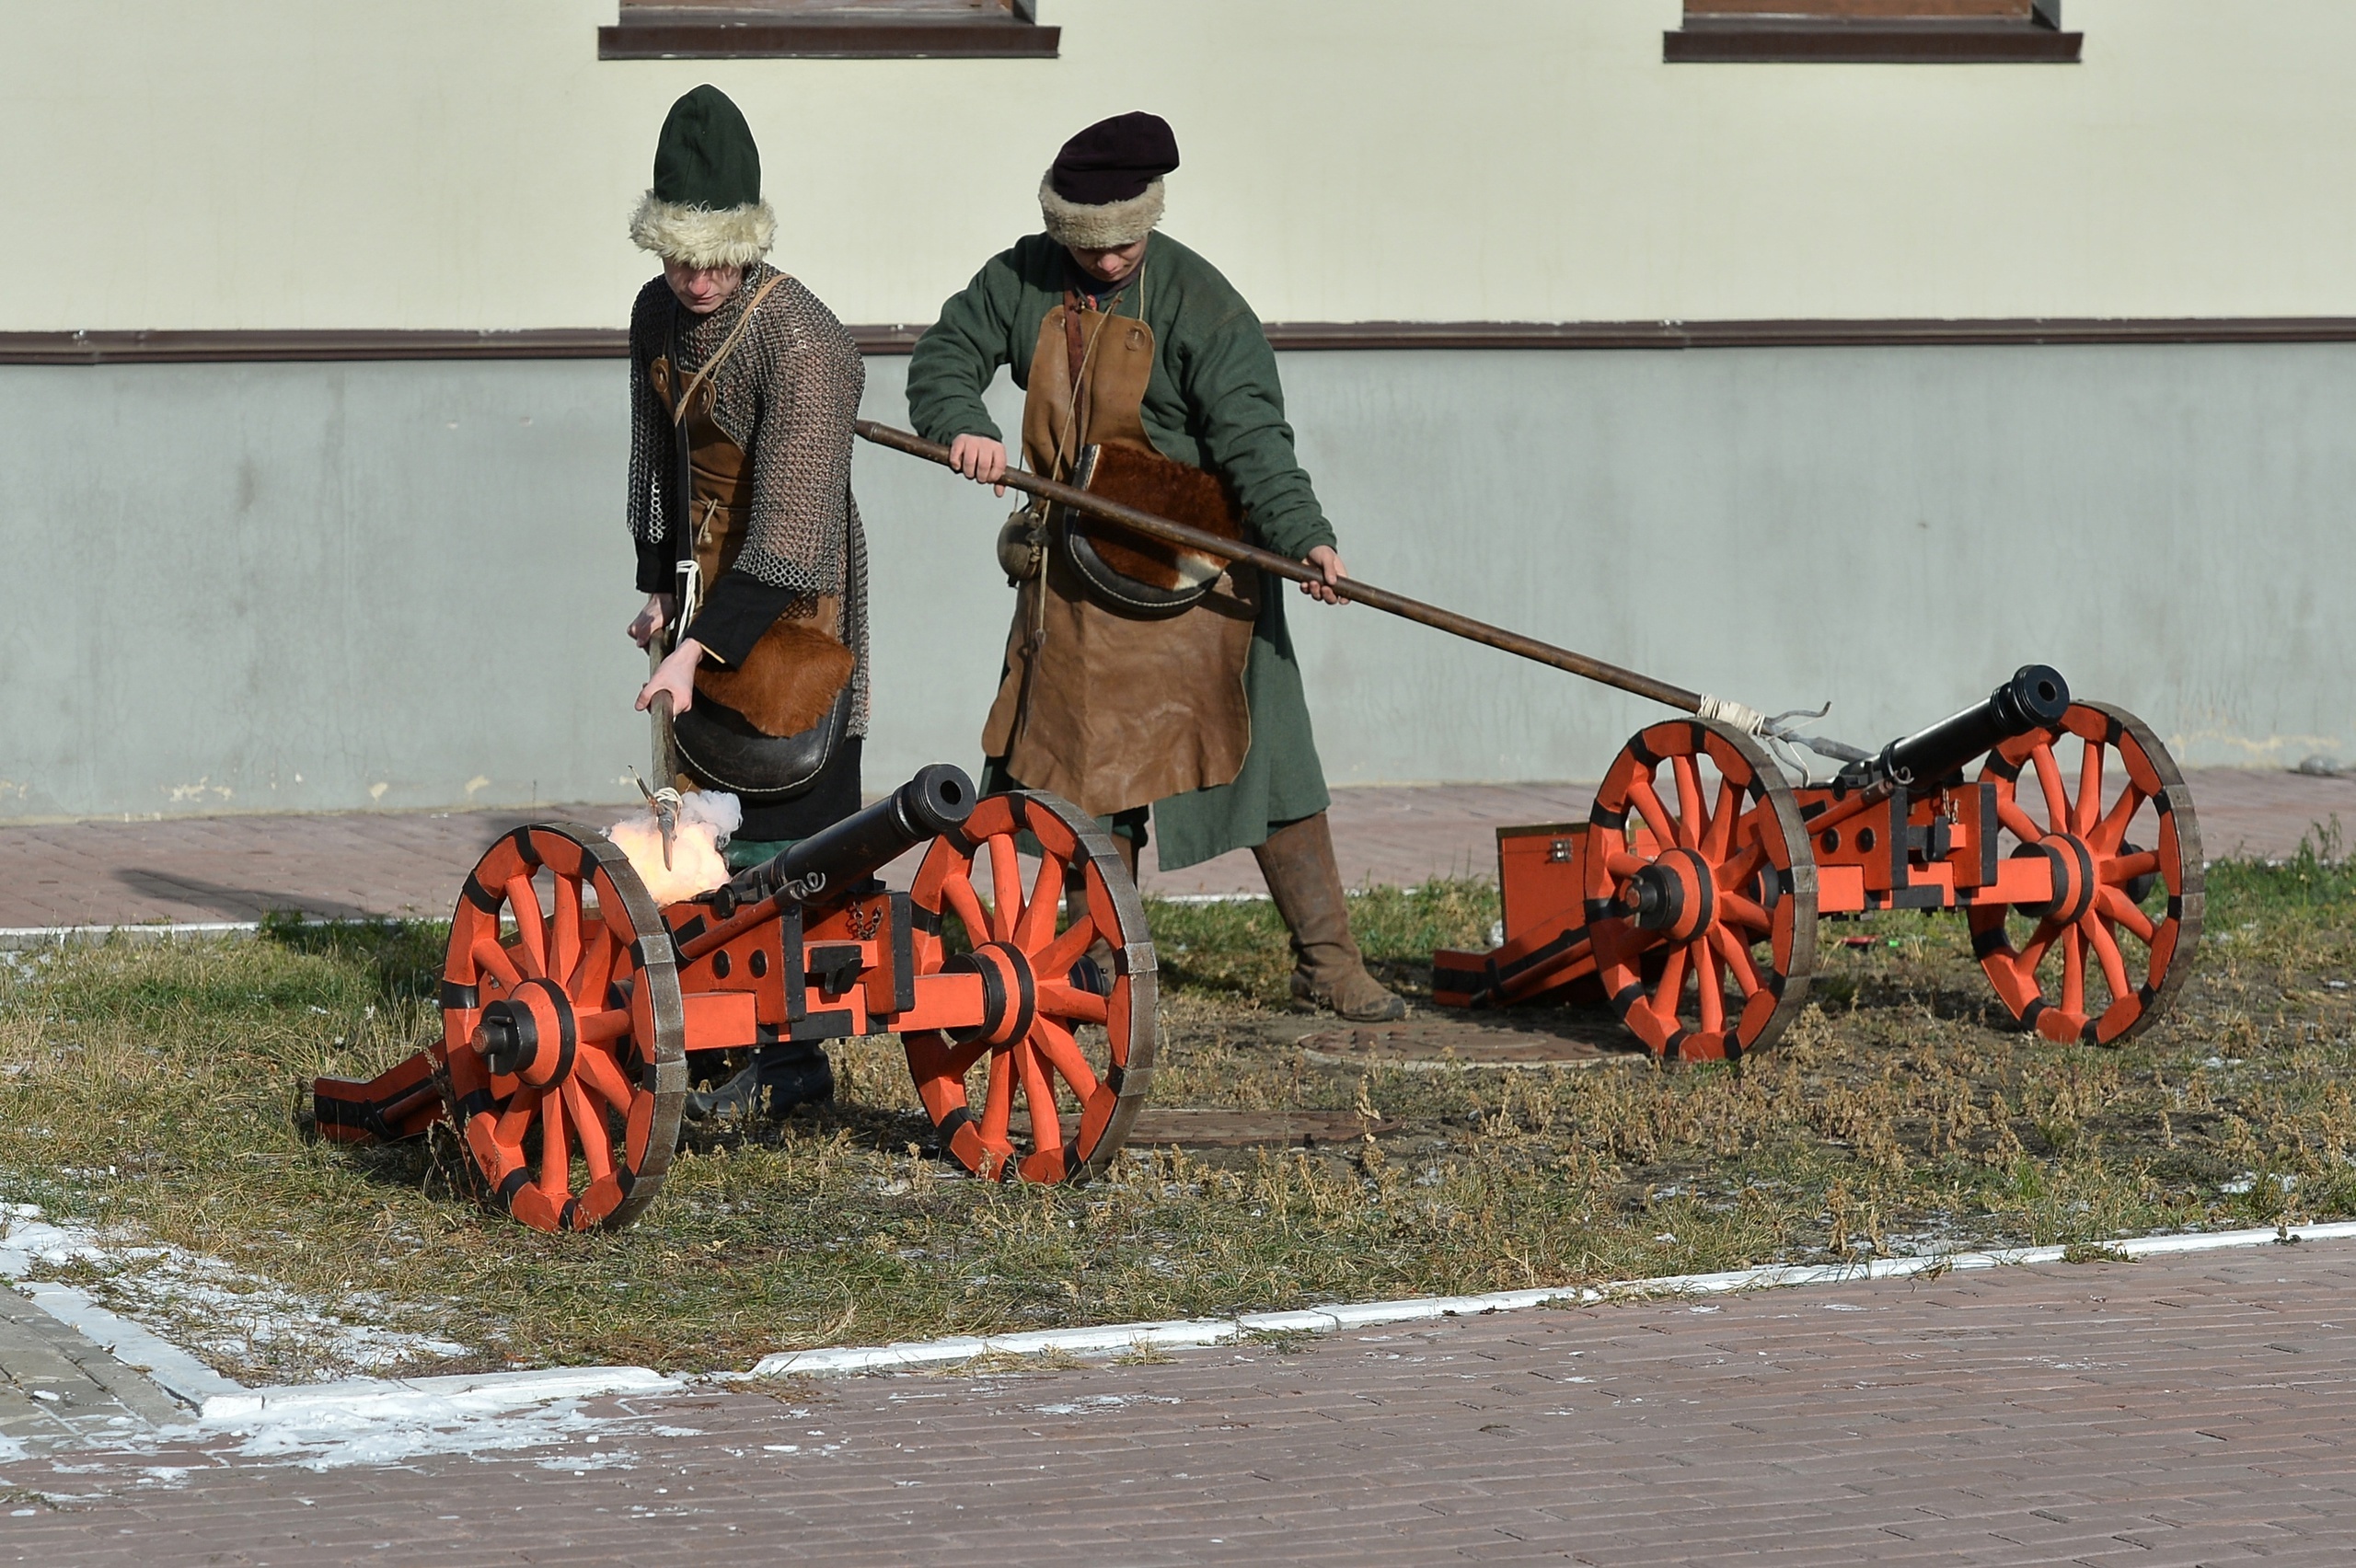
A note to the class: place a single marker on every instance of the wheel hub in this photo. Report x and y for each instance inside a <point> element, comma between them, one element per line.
<point>2072,865</point>
<point>1010,994</point>
<point>1674,895</point>
<point>530,1035</point>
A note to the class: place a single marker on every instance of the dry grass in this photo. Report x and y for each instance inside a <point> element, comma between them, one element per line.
<point>150,1089</point>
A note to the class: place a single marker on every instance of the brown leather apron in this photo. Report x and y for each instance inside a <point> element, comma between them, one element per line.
<point>1105,709</point>
<point>720,508</point>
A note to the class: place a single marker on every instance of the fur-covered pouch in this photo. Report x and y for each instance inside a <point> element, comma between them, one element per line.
<point>788,682</point>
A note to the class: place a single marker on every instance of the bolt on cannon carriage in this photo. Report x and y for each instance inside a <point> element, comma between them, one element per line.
<point>1689,898</point>
<point>576,1013</point>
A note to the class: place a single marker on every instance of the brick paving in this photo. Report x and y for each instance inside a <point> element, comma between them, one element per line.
<point>58,1389</point>
<point>2176,1413</point>
<point>236,868</point>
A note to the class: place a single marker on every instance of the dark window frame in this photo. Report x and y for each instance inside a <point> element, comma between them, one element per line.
<point>824,30</point>
<point>1873,32</point>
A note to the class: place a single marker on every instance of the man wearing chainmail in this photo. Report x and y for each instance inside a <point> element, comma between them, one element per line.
<point>743,390</point>
<point>1169,685</point>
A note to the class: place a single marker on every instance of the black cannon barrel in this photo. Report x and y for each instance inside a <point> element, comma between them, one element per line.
<point>2035,696</point>
<point>836,859</point>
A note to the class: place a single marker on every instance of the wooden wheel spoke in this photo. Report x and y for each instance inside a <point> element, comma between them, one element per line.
<point>1738,910</point>
<point>958,1060</point>
<point>1656,816</point>
<point>1690,820</point>
<point>1038,1097</point>
<point>2009,813</point>
<point>2073,972</point>
<point>1737,960</point>
<point>556,1150</point>
<point>1744,865</point>
<point>2049,777</point>
<point>2121,870</point>
<point>602,1027</point>
<point>2111,831</point>
<point>1038,922</point>
<point>598,1071</point>
<point>1056,1043</point>
<point>1713,989</point>
<point>2114,968</point>
<point>1006,888</point>
<point>957,891</point>
<point>2120,911</point>
<point>533,951</point>
<point>1059,1000</point>
<point>1722,820</point>
<point>998,1101</point>
<point>565,955</point>
<point>489,956</point>
<point>589,1126</point>
<point>515,1120</point>
<point>2089,790</point>
<point>1669,993</point>
<point>1624,863</point>
<point>2033,951</point>
<point>1059,955</point>
<point>587,984</point>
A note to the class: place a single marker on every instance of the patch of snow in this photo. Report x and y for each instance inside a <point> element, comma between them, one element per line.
<point>207,1305</point>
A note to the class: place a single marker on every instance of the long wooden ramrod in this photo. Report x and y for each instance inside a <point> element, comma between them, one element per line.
<point>1355,588</point>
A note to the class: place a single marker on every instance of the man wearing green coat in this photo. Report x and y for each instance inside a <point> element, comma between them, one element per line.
<point>1173,691</point>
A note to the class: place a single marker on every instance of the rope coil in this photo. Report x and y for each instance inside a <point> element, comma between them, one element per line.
<point>1749,720</point>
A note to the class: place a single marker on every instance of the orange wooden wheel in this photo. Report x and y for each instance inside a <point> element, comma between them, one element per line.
<point>1701,891</point>
<point>568,1066</point>
<point>2105,957</point>
<point>1079,1060</point>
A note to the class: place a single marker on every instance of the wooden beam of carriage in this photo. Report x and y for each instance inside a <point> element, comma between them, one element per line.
<point>1356,590</point>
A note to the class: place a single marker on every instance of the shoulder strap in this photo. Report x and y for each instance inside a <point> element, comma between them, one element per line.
<point>704,372</point>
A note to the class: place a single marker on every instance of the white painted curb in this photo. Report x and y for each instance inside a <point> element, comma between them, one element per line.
<point>168,1366</point>
<point>221,1403</point>
<point>1116,1338</point>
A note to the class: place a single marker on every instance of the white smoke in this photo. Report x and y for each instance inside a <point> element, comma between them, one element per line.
<point>707,819</point>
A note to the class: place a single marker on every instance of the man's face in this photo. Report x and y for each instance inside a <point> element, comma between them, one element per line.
<point>1109,266</point>
<point>702,289</point>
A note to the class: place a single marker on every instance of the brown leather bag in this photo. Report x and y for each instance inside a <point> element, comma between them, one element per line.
<point>1125,571</point>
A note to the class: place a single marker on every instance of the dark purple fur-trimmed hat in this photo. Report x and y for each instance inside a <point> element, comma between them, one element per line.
<point>1104,187</point>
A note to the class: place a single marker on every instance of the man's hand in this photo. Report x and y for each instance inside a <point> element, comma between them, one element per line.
<point>980,459</point>
<point>651,620</point>
<point>1327,561</point>
<point>675,676</point>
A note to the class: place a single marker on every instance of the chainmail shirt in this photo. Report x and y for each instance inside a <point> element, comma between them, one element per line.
<point>787,394</point>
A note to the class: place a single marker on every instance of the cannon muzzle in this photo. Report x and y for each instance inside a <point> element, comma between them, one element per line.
<point>2035,697</point>
<point>838,858</point>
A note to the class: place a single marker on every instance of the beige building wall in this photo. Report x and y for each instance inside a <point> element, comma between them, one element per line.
<point>471,163</point>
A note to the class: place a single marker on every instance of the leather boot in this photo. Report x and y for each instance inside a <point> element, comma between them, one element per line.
<point>1298,860</point>
<point>789,1075</point>
<point>1094,969</point>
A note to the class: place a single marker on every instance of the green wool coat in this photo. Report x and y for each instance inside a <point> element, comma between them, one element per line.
<point>1213,401</point>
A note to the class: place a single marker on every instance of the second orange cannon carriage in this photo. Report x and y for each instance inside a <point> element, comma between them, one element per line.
<point>2061,831</point>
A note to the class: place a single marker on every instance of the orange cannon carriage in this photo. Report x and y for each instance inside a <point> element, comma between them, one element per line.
<point>577,1014</point>
<point>1689,898</point>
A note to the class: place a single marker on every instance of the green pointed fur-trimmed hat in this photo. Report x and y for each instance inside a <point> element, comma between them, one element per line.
<point>706,208</point>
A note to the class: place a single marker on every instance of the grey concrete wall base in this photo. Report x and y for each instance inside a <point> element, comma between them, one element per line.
<point>319,587</point>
